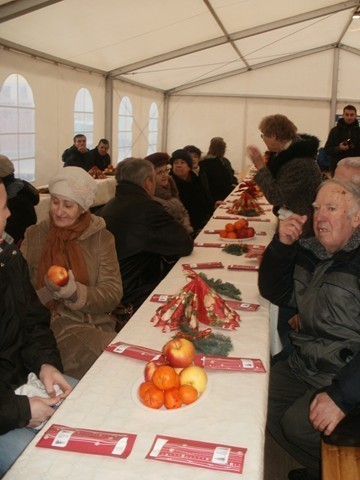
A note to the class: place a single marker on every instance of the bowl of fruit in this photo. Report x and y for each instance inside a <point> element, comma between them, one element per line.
<point>171,382</point>
<point>240,230</point>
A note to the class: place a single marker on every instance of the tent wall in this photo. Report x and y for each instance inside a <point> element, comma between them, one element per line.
<point>302,92</point>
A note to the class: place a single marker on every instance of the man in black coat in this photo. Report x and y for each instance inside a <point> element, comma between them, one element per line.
<point>76,155</point>
<point>344,139</point>
<point>27,345</point>
<point>148,239</point>
<point>98,156</point>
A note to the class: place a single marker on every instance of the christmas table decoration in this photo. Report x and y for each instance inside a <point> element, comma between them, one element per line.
<point>195,302</point>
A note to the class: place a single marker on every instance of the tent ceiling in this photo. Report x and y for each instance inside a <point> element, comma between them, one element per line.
<point>173,44</point>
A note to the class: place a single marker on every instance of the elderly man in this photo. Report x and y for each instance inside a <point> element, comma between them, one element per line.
<point>148,239</point>
<point>319,383</point>
<point>348,169</point>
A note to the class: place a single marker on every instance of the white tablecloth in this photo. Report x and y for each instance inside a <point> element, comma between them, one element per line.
<point>232,412</point>
<point>105,191</point>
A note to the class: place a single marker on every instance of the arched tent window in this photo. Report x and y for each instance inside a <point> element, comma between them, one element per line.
<point>153,129</point>
<point>17,125</point>
<point>125,123</point>
<point>84,116</point>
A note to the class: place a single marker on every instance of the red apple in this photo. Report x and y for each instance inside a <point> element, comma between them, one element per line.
<point>150,368</point>
<point>58,275</point>
<point>241,233</point>
<point>250,232</point>
<point>179,352</point>
<point>195,376</point>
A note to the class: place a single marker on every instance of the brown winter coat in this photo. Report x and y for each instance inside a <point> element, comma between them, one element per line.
<point>83,328</point>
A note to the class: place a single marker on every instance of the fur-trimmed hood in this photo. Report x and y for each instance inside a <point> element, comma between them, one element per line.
<point>305,146</point>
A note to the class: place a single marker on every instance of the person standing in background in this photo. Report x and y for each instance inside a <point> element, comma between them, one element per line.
<point>344,139</point>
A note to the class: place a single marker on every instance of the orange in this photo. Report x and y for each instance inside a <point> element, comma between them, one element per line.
<point>143,387</point>
<point>241,223</point>
<point>165,377</point>
<point>223,233</point>
<point>229,227</point>
<point>188,393</point>
<point>172,398</point>
<point>153,397</point>
<point>231,235</point>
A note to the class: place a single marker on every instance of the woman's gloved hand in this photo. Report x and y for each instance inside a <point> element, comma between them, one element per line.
<point>64,293</point>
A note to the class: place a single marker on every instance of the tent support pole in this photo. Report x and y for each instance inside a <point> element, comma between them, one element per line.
<point>164,139</point>
<point>334,88</point>
<point>109,112</point>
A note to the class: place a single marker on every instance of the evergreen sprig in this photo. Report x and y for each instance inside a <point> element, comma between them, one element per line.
<point>236,249</point>
<point>214,344</point>
<point>222,288</point>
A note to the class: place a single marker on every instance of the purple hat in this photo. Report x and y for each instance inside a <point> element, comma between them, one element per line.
<point>158,159</point>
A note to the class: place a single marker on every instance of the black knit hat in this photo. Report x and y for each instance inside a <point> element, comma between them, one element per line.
<point>181,155</point>
<point>158,158</point>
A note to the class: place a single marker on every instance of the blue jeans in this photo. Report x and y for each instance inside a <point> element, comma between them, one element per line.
<point>13,443</point>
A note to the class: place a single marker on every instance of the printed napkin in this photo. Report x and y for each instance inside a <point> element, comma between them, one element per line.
<point>212,456</point>
<point>82,440</point>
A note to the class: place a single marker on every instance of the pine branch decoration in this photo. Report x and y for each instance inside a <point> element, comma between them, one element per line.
<point>236,249</point>
<point>222,288</point>
<point>212,344</point>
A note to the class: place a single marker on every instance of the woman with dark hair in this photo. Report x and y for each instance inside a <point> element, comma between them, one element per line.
<point>219,172</point>
<point>75,239</point>
<point>192,191</point>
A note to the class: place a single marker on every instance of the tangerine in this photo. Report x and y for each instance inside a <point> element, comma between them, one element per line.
<point>172,398</point>
<point>165,377</point>
<point>231,235</point>
<point>229,227</point>
<point>241,223</point>
<point>153,397</point>
<point>223,233</point>
<point>188,393</point>
<point>143,387</point>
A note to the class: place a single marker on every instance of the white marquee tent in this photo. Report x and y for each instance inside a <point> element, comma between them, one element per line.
<point>214,67</point>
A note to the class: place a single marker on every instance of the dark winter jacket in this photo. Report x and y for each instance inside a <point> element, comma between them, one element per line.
<point>196,199</point>
<point>26,341</point>
<point>73,158</point>
<point>94,159</point>
<point>148,240</point>
<point>325,289</point>
<point>220,176</point>
<point>341,133</point>
<point>21,199</point>
<point>291,177</point>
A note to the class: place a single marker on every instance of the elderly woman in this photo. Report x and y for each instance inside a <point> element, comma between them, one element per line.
<point>193,192</point>
<point>166,192</point>
<point>218,169</point>
<point>320,277</point>
<point>74,238</point>
<point>291,175</point>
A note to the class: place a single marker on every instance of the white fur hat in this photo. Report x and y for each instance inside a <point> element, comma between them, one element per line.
<point>74,183</point>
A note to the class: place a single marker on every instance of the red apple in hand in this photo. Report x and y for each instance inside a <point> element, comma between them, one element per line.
<point>150,368</point>
<point>179,352</point>
<point>58,275</point>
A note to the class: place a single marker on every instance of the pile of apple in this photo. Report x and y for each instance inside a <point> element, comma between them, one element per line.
<point>173,381</point>
<point>239,229</point>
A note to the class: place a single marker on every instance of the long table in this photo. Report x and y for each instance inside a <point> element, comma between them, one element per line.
<point>105,191</point>
<point>231,412</point>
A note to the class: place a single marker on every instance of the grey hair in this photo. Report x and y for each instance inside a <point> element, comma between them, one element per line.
<point>351,163</point>
<point>350,187</point>
<point>134,170</point>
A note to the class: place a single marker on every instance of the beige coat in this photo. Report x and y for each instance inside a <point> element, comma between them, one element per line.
<point>82,328</point>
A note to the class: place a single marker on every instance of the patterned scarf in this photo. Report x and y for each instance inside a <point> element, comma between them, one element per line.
<point>61,248</point>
